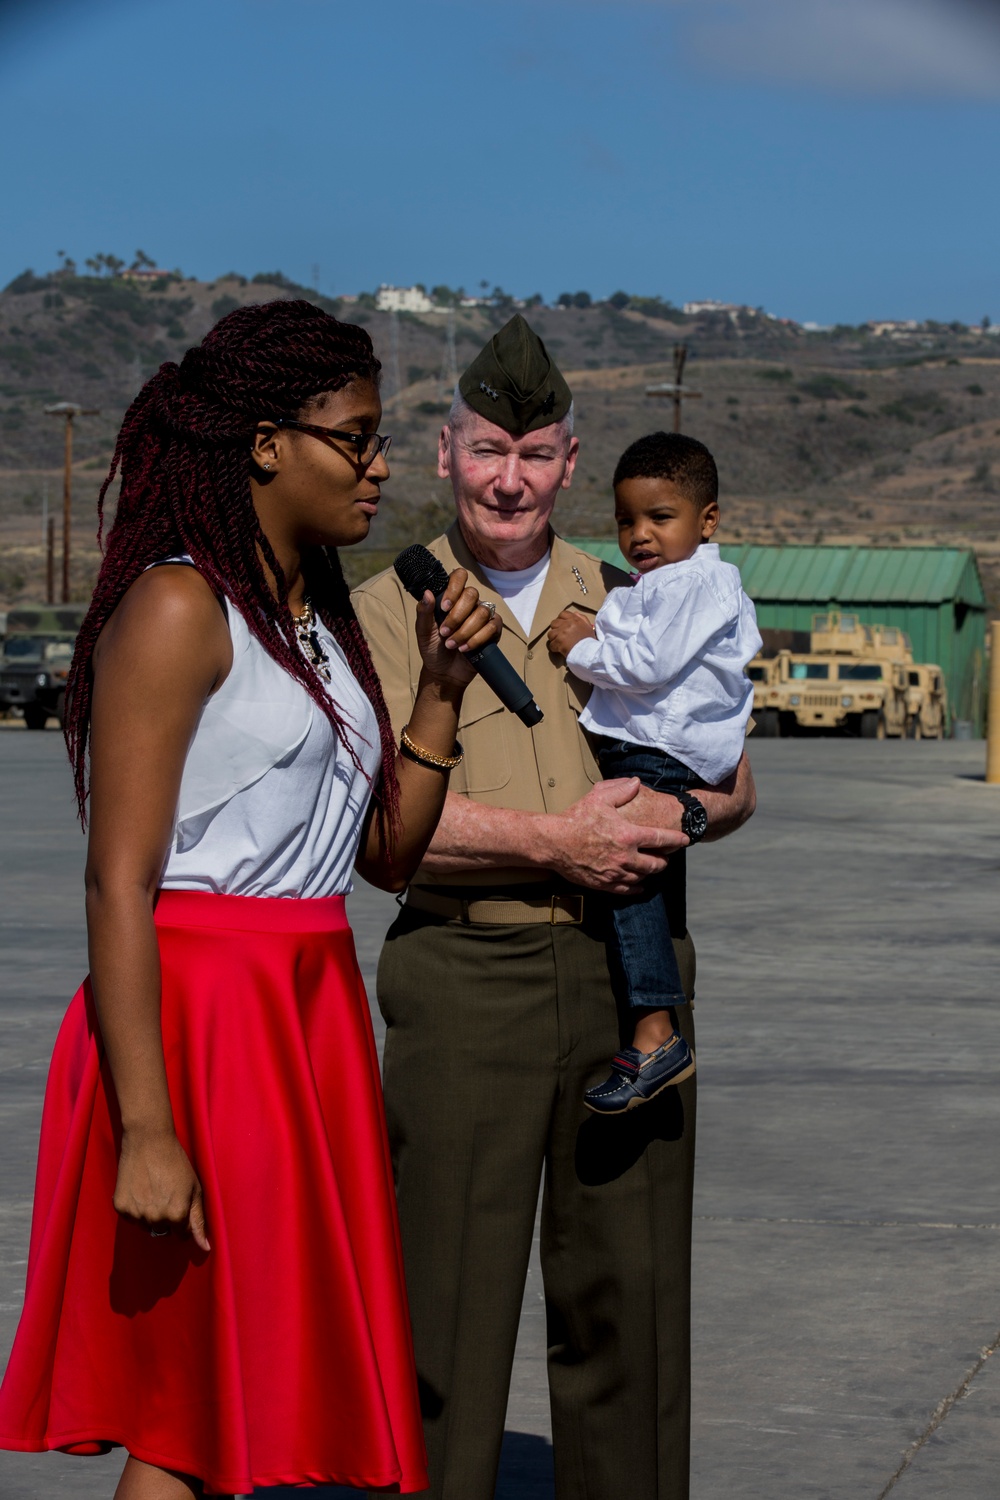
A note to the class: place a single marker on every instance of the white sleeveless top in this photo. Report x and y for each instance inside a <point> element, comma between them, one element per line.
<point>271,803</point>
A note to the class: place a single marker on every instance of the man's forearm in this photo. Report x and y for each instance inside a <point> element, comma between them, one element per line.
<point>728,805</point>
<point>471,836</point>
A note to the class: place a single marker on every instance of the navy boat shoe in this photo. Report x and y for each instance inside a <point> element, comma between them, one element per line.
<point>637,1076</point>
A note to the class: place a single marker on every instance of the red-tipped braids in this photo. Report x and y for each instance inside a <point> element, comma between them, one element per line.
<point>184,455</point>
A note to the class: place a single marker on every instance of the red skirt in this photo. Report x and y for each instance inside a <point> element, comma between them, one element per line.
<point>283,1356</point>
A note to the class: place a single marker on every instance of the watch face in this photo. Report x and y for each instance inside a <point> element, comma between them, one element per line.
<point>695,820</point>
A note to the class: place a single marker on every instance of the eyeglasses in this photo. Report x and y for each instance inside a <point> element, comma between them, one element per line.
<point>367,445</point>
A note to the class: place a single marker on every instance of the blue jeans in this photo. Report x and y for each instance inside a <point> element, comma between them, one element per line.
<point>648,973</point>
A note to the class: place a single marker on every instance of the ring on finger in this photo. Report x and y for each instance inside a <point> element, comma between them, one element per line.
<point>488,605</point>
<point>158,1234</point>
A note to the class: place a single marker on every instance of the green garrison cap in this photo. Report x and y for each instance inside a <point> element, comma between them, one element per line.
<point>513,382</point>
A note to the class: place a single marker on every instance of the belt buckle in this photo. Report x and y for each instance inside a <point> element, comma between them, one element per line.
<point>571,921</point>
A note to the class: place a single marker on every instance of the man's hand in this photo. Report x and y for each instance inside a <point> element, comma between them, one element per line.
<point>568,628</point>
<point>595,844</point>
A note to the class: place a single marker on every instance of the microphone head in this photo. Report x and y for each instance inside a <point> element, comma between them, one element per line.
<point>418,570</point>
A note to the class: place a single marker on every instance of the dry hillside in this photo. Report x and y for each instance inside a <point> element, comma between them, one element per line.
<point>819,437</point>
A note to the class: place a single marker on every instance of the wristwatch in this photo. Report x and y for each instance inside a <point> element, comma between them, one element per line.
<point>694,818</point>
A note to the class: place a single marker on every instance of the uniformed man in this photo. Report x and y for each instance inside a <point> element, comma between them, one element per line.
<point>499,1011</point>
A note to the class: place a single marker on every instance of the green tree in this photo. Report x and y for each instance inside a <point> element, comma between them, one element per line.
<point>446,296</point>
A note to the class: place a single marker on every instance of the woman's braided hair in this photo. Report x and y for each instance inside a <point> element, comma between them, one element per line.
<point>185,461</point>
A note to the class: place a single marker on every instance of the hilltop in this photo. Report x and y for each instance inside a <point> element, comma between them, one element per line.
<point>843,435</point>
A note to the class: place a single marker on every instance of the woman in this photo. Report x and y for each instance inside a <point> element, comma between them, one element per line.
<point>215,1278</point>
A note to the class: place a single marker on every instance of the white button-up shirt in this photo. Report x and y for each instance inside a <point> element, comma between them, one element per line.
<point>668,664</point>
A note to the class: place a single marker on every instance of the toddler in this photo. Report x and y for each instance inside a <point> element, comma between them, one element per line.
<point>670,705</point>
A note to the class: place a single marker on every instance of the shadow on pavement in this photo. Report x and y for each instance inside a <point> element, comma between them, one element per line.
<point>525,1474</point>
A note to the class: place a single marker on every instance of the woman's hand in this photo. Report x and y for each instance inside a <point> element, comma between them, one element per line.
<point>567,629</point>
<point>157,1186</point>
<point>433,723</point>
<point>469,625</point>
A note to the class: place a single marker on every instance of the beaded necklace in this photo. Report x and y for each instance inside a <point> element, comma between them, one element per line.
<point>309,641</point>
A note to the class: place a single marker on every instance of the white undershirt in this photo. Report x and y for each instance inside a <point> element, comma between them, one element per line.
<point>520,589</point>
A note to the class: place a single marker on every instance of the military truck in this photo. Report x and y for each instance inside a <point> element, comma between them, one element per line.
<point>854,677</point>
<point>763,672</point>
<point>35,659</point>
<point>867,698</point>
<point>926,702</point>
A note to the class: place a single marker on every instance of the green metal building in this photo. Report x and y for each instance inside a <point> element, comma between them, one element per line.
<point>935,594</point>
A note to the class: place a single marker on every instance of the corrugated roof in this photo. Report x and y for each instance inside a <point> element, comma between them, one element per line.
<point>844,575</point>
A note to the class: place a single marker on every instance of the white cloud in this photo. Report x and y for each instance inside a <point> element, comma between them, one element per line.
<point>881,48</point>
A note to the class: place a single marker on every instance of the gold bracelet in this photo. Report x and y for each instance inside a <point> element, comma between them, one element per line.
<point>428,758</point>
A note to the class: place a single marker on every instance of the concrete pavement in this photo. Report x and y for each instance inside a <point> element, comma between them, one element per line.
<point>847,1235</point>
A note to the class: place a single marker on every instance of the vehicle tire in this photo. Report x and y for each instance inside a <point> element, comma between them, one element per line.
<point>914,728</point>
<point>787,725</point>
<point>873,724</point>
<point>768,725</point>
<point>36,716</point>
<point>60,708</point>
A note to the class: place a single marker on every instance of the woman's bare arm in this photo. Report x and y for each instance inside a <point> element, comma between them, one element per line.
<point>164,650</point>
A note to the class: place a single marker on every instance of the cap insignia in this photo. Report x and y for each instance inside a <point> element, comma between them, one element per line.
<point>493,395</point>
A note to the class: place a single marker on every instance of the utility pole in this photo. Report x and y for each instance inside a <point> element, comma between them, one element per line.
<point>993,719</point>
<point>675,390</point>
<point>449,365</point>
<point>69,410</point>
<point>50,560</point>
<point>397,383</point>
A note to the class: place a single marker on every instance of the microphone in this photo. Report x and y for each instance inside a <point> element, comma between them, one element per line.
<point>419,570</point>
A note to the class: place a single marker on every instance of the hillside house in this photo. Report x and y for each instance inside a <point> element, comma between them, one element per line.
<point>411,299</point>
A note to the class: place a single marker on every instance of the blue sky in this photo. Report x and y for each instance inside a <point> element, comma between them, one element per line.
<point>833,160</point>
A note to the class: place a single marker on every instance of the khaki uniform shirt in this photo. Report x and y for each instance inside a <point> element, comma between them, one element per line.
<point>540,770</point>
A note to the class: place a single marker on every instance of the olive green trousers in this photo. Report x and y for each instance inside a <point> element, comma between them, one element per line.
<point>493,1034</point>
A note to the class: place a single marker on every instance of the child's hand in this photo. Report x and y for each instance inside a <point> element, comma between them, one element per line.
<point>568,628</point>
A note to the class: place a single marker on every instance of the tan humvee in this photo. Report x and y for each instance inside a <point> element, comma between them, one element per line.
<point>864,696</point>
<point>926,702</point>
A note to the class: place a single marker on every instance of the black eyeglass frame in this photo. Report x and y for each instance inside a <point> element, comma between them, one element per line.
<point>358,440</point>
